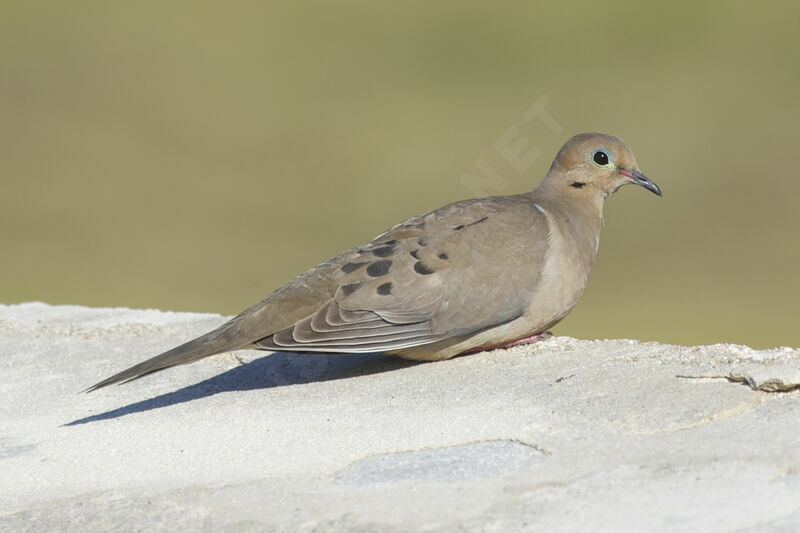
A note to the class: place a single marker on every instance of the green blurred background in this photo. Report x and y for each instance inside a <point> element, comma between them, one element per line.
<point>196,155</point>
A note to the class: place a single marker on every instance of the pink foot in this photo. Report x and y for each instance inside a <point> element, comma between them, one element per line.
<point>519,342</point>
<point>528,340</point>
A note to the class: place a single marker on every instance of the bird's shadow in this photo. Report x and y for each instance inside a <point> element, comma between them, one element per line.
<point>275,370</point>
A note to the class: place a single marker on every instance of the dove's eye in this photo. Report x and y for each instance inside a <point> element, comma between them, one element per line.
<point>602,157</point>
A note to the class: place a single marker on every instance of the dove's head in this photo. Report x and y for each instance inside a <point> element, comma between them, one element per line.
<point>594,165</point>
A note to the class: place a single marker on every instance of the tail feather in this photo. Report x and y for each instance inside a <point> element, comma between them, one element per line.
<point>211,343</point>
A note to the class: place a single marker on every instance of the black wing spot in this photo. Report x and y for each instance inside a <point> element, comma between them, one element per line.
<point>390,243</point>
<point>414,254</point>
<point>577,184</point>
<point>383,251</point>
<point>379,268</point>
<point>443,256</point>
<point>347,268</point>
<point>347,290</point>
<point>385,289</point>
<point>422,268</point>
<point>422,242</point>
<point>462,226</point>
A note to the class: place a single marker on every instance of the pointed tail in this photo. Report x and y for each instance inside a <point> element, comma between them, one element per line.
<point>217,341</point>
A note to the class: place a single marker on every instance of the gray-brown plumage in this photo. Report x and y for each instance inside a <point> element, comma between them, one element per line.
<point>474,274</point>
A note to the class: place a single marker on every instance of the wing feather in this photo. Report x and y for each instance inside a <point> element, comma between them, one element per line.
<point>433,277</point>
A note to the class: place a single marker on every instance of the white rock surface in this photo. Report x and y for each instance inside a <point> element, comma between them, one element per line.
<point>565,435</point>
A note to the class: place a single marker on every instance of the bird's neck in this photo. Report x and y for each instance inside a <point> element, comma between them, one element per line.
<point>583,207</point>
<point>579,217</point>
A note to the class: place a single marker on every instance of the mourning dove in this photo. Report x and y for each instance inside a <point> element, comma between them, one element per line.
<point>476,274</point>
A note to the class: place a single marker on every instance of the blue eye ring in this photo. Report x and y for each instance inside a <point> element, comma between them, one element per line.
<point>602,158</point>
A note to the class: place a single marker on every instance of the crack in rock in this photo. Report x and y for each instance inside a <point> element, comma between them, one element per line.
<point>772,379</point>
<point>444,464</point>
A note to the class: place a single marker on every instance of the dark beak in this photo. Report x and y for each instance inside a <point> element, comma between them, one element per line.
<point>640,179</point>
